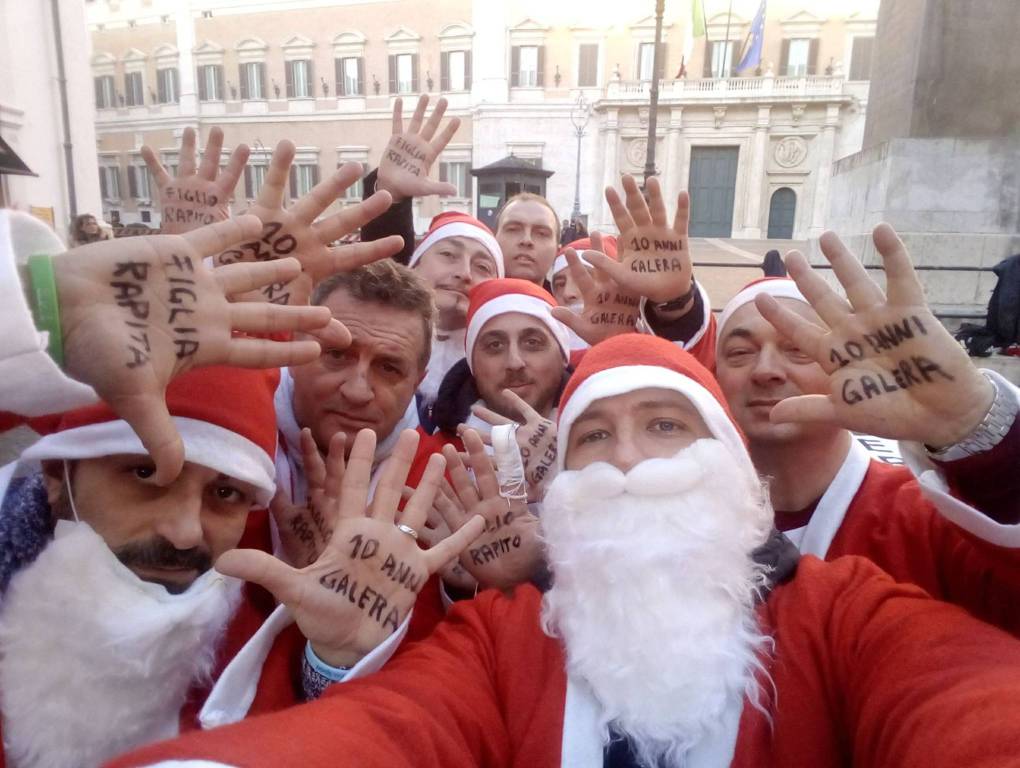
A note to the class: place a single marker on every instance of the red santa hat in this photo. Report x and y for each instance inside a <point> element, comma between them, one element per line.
<point>500,297</point>
<point>582,245</point>
<point>632,361</point>
<point>777,287</point>
<point>225,417</point>
<point>457,224</point>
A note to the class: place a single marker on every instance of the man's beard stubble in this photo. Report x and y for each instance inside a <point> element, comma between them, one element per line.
<point>154,552</point>
<point>654,590</point>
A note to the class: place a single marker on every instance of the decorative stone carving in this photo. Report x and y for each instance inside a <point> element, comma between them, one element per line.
<point>797,112</point>
<point>790,152</point>
<point>637,152</point>
<point>719,114</point>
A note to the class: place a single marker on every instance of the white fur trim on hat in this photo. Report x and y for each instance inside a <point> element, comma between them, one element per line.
<point>561,263</point>
<point>525,305</point>
<point>779,289</point>
<point>461,229</point>
<point>629,378</point>
<point>206,444</point>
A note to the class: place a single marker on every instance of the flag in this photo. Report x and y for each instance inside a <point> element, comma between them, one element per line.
<point>697,18</point>
<point>751,52</point>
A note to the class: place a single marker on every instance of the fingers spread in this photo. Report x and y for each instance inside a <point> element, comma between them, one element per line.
<point>344,258</point>
<point>860,289</point>
<point>804,409</point>
<point>432,125</point>
<point>463,486</point>
<point>419,114</point>
<point>335,466</point>
<point>481,465</point>
<point>333,336</point>
<point>358,475</point>
<point>799,330</point>
<point>263,353</point>
<point>829,305</point>
<point>636,204</point>
<point>322,195</point>
<point>489,416</point>
<point>421,501</point>
<point>621,216</point>
<point>439,143</point>
<point>264,317</point>
<point>149,418</point>
<point>393,476</point>
<point>186,157</point>
<point>453,545</point>
<point>261,568</point>
<point>398,116</point>
<point>902,284</point>
<point>274,187</point>
<point>683,213</point>
<point>213,238</point>
<point>353,216</point>
<point>244,276</point>
<point>159,174</point>
<point>315,467</point>
<point>235,165</point>
<point>656,205</point>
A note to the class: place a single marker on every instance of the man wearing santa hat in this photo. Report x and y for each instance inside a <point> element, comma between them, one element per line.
<point>112,619</point>
<point>802,368</point>
<point>515,351</point>
<point>458,253</point>
<point>664,640</point>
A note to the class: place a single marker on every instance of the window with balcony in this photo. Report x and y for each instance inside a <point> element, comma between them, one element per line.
<point>860,58</point>
<point>798,57</point>
<point>350,76</point>
<point>299,79</point>
<point>588,65</point>
<point>403,73</point>
<point>167,86</point>
<point>720,58</point>
<point>106,95</point>
<point>527,65</point>
<point>252,75</point>
<point>134,94</point>
<point>455,71</point>
<point>210,82</point>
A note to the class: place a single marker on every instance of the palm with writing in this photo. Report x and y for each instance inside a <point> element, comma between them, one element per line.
<point>435,530</point>
<point>306,529</point>
<point>509,551</point>
<point>655,259</point>
<point>196,197</point>
<point>138,311</point>
<point>608,310</point>
<point>409,155</point>
<point>536,441</point>
<point>295,232</point>
<point>365,582</point>
<point>894,369</point>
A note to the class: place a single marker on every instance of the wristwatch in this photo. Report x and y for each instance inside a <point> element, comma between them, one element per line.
<point>680,301</point>
<point>993,427</point>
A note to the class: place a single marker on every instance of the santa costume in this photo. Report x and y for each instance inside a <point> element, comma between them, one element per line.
<point>652,645</point>
<point>952,528</point>
<point>448,345</point>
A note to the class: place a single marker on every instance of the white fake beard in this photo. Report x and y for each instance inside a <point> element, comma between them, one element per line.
<point>93,660</point>
<point>654,589</point>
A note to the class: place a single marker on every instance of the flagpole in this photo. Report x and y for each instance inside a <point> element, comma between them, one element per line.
<point>726,45</point>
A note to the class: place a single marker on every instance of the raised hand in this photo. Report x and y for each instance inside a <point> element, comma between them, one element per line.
<point>536,440</point>
<point>408,158</point>
<point>894,369</point>
<point>305,530</point>
<point>295,232</point>
<point>608,309</point>
<point>435,530</point>
<point>655,259</point>
<point>364,584</point>
<point>196,198</point>
<point>509,551</point>
<point>138,311</point>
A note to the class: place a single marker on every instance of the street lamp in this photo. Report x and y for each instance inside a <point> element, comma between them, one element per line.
<point>580,114</point>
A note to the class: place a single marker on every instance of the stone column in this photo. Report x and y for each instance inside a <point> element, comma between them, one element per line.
<point>610,172</point>
<point>756,174</point>
<point>823,162</point>
<point>671,172</point>
<point>185,25</point>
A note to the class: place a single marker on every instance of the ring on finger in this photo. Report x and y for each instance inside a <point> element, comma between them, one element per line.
<point>408,530</point>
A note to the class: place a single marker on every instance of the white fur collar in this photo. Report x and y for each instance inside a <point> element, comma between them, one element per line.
<point>94,661</point>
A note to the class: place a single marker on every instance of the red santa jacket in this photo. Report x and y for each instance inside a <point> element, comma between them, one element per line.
<point>867,673</point>
<point>878,511</point>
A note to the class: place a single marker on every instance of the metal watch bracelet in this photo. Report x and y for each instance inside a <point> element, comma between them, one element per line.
<point>993,427</point>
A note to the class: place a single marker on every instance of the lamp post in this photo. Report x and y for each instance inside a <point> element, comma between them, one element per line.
<point>580,114</point>
<point>653,111</point>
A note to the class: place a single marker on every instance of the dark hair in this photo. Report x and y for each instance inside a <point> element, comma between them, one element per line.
<point>523,197</point>
<point>389,284</point>
<point>78,233</point>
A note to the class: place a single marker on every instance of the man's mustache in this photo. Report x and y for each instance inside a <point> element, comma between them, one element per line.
<point>157,552</point>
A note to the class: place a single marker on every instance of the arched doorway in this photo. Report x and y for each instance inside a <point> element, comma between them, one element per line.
<point>781,213</point>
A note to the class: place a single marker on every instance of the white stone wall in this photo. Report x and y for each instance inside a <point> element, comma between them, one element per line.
<point>30,114</point>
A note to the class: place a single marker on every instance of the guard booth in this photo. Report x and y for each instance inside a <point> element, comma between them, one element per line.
<point>503,179</point>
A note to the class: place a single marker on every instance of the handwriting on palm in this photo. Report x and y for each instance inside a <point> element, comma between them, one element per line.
<point>608,309</point>
<point>196,197</point>
<point>655,259</point>
<point>409,155</point>
<point>138,311</point>
<point>295,232</point>
<point>508,552</point>
<point>364,583</point>
<point>894,369</point>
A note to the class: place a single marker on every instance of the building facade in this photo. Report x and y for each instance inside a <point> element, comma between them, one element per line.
<point>754,148</point>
